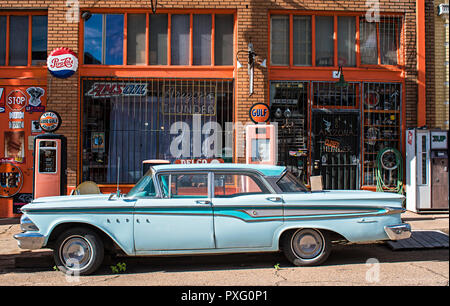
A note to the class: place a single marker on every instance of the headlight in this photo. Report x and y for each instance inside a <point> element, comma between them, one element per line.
<point>27,225</point>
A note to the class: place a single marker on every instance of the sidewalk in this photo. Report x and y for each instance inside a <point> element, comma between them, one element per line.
<point>426,221</point>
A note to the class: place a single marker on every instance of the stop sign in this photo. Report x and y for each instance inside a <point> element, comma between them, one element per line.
<point>16,100</point>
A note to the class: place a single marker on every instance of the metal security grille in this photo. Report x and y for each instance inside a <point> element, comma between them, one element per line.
<point>131,119</point>
<point>327,94</point>
<point>289,109</point>
<point>382,123</point>
<point>336,148</point>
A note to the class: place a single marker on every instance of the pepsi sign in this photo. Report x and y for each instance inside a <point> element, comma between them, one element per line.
<point>62,63</point>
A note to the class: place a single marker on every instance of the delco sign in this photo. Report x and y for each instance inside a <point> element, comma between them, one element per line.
<point>62,63</point>
<point>112,89</point>
<point>16,100</point>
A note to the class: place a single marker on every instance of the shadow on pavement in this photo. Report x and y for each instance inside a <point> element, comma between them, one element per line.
<point>341,255</point>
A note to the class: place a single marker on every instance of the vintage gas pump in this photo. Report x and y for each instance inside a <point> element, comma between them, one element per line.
<point>426,170</point>
<point>261,147</point>
<point>50,158</point>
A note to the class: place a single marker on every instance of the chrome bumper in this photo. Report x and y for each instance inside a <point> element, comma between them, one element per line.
<point>30,240</point>
<point>397,232</point>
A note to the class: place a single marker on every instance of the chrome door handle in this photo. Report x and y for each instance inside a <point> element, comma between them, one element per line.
<point>274,199</point>
<point>203,202</point>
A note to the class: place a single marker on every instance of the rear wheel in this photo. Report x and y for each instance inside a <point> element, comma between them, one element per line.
<point>78,251</point>
<point>306,247</point>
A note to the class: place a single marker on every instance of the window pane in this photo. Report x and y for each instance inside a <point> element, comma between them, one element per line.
<point>223,39</point>
<point>184,185</point>
<point>324,40</point>
<point>302,40</point>
<point>279,40</point>
<point>158,39</point>
<point>114,39</point>
<point>136,39</point>
<point>2,40</point>
<point>202,39</point>
<point>18,41</point>
<point>93,33</point>
<point>346,41</point>
<point>389,41</point>
<point>368,43</point>
<point>180,40</point>
<point>39,40</point>
<point>231,185</point>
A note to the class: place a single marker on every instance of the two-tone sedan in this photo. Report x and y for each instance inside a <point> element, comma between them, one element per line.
<point>209,209</point>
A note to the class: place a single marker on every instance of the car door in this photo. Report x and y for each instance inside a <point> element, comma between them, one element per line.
<point>246,212</point>
<point>180,219</point>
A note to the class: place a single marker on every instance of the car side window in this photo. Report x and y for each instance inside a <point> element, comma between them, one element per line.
<point>184,185</point>
<point>144,188</point>
<point>227,185</point>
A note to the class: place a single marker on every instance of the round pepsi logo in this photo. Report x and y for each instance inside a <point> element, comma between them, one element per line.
<point>62,63</point>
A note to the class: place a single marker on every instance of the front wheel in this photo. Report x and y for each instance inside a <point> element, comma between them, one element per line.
<point>78,251</point>
<point>306,247</point>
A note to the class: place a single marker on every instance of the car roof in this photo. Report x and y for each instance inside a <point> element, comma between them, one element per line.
<point>267,170</point>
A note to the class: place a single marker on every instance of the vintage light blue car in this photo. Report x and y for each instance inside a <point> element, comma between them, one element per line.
<point>206,209</point>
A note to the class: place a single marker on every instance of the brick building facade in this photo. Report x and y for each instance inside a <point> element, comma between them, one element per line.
<point>254,22</point>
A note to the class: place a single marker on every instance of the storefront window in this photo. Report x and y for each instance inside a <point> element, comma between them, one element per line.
<point>93,37</point>
<point>2,40</point>
<point>132,120</point>
<point>136,28</point>
<point>368,42</point>
<point>326,94</point>
<point>289,109</point>
<point>202,25</point>
<point>158,39</point>
<point>223,39</point>
<point>346,41</point>
<point>279,40</point>
<point>103,39</point>
<point>180,39</point>
<point>389,40</point>
<point>18,43</point>
<point>302,40</point>
<point>324,41</point>
<point>382,107</point>
<point>39,40</point>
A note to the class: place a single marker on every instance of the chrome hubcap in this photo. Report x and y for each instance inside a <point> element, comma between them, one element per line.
<point>307,244</point>
<point>76,252</point>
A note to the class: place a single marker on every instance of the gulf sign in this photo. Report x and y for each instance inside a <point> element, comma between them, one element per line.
<point>259,112</point>
<point>62,63</point>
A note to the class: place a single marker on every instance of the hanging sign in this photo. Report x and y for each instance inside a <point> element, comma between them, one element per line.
<point>259,112</point>
<point>62,63</point>
<point>50,121</point>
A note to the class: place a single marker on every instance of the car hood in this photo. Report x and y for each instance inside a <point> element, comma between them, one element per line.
<point>75,201</point>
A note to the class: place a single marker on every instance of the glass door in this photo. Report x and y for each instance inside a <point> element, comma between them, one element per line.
<point>336,147</point>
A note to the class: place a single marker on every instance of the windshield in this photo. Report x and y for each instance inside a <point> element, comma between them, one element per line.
<point>289,183</point>
<point>144,187</point>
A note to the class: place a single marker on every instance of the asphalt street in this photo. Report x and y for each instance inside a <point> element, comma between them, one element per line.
<point>372,264</point>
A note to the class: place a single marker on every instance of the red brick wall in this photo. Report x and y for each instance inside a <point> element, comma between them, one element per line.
<point>252,27</point>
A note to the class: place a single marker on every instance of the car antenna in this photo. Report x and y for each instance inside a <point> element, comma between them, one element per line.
<point>118,174</point>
